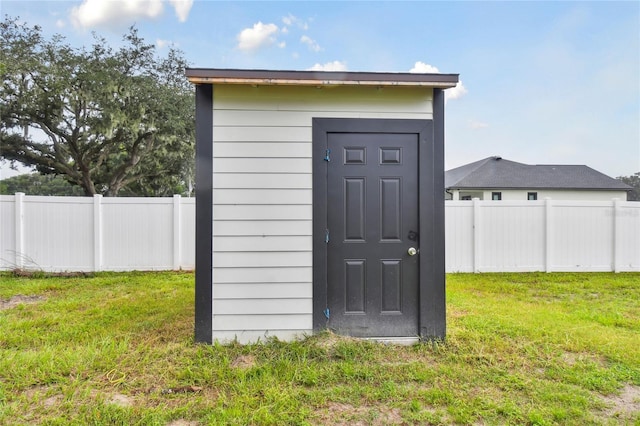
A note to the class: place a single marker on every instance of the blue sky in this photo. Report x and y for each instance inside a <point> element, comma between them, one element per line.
<point>542,82</point>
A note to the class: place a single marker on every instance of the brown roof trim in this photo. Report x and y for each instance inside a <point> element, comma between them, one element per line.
<point>318,78</point>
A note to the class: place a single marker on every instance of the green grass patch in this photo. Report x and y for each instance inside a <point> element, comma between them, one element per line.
<point>117,348</point>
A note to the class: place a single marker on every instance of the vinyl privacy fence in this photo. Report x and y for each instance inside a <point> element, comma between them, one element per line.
<point>118,234</point>
<point>547,235</point>
<point>97,234</point>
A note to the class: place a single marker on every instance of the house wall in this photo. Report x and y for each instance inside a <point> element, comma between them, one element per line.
<point>519,195</point>
<point>262,202</point>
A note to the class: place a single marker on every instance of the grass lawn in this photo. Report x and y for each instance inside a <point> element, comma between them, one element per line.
<point>117,349</point>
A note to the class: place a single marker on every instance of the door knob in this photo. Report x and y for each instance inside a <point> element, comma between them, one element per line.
<point>412,251</point>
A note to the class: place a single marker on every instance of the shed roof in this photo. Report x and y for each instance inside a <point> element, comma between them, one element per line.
<point>498,173</point>
<point>318,78</point>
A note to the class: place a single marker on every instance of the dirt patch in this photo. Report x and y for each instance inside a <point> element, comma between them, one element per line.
<point>39,392</point>
<point>52,401</point>
<point>27,273</point>
<point>457,313</point>
<point>244,362</point>
<point>182,422</point>
<point>328,340</point>
<point>573,358</point>
<point>626,405</point>
<point>160,397</point>
<point>19,299</point>
<point>346,414</point>
<point>36,391</point>
<point>120,400</point>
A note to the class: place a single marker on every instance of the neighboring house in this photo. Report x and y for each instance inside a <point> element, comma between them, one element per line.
<point>495,178</point>
<point>312,188</point>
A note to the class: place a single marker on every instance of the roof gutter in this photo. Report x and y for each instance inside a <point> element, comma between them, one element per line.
<point>318,78</point>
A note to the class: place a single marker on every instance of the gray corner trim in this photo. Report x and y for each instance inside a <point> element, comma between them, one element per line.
<point>319,183</point>
<point>204,214</point>
<point>432,295</point>
<point>431,152</point>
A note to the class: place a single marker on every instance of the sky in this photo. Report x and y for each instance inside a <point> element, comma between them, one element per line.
<point>540,82</point>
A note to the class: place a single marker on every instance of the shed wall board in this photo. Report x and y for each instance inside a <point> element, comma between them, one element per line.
<point>262,207</point>
<point>262,291</point>
<point>262,196</point>
<point>290,274</point>
<point>264,228</point>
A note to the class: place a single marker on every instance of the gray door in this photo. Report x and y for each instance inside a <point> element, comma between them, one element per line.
<point>372,223</point>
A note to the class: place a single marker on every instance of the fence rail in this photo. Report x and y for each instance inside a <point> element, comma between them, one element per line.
<point>118,234</point>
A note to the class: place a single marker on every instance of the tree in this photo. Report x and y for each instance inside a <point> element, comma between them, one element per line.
<point>37,184</point>
<point>634,182</point>
<point>111,121</point>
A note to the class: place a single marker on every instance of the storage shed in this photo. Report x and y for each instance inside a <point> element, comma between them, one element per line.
<point>319,204</point>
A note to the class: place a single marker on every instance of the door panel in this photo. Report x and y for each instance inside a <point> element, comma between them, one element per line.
<point>372,208</point>
<point>354,209</point>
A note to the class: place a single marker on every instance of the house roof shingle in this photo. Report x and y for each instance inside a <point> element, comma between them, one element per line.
<point>498,173</point>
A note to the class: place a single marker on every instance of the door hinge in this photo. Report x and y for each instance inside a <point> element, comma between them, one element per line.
<point>326,236</point>
<point>326,156</point>
<point>327,313</point>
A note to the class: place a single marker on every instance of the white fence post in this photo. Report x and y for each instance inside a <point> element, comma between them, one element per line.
<point>97,232</point>
<point>476,235</point>
<point>19,218</point>
<point>616,234</point>
<point>177,232</point>
<point>548,252</point>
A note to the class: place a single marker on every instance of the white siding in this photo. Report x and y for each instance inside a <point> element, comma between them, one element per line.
<point>263,197</point>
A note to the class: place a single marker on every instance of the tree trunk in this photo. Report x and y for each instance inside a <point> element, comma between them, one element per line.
<point>87,185</point>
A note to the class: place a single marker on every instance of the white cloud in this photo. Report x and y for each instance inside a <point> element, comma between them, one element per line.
<point>93,13</point>
<point>311,43</point>
<point>282,44</point>
<point>161,44</point>
<point>60,23</point>
<point>260,35</point>
<point>182,8</point>
<point>329,66</point>
<point>421,67</point>
<point>291,20</point>
<point>454,93</point>
<point>475,124</point>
